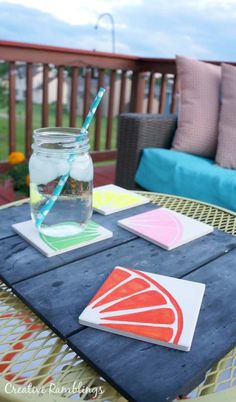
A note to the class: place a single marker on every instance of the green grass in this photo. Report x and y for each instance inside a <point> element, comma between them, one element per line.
<point>37,111</point>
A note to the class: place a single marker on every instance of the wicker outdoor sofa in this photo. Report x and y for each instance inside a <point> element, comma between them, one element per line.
<point>135,132</point>
<point>145,161</point>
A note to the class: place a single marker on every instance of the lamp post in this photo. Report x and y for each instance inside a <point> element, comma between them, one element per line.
<point>112,27</point>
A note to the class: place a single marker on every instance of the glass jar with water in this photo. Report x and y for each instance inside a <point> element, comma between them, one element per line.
<point>58,152</point>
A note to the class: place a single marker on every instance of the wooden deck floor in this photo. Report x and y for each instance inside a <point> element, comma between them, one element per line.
<point>102,175</point>
<point>6,193</point>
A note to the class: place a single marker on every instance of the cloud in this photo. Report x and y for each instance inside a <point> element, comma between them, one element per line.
<point>163,29</point>
<point>20,23</point>
<point>76,12</point>
<point>143,27</point>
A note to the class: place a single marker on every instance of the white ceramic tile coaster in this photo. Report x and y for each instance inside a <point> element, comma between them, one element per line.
<point>146,306</point>
<point>111,198</point>
<point>166,228</point>
<point>51,246</point>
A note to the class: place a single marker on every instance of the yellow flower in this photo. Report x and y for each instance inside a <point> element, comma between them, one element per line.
<point>27,180</point>
<point>15,158</point>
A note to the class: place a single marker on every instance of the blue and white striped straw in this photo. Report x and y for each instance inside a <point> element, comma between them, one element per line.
<point>59,187</point>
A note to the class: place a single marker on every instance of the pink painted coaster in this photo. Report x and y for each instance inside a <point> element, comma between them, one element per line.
<point>166,228</point>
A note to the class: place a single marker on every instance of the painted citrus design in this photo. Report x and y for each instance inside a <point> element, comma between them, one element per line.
<point>133,302</point>
<point>160,225</point>
<point>35,196</point>
<point>114,199</point>
<point>90,233</point>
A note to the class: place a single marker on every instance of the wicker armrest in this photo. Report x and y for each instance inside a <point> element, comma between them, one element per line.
<point>135,132</point>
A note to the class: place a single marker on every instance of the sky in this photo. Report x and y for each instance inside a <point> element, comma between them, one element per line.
<point>204,29</point>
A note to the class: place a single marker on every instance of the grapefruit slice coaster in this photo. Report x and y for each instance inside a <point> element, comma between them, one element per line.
<point>145,306</point>
<point>165,228</point>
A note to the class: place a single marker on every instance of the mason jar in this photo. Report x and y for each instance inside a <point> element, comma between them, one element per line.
<point>58,152</point>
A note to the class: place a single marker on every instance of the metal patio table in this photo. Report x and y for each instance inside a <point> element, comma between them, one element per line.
<point>31,352</point>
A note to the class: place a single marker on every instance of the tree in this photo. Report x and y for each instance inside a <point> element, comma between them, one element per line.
<point>3,85</point>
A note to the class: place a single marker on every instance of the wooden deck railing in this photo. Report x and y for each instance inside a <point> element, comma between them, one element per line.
<point>133,84</point>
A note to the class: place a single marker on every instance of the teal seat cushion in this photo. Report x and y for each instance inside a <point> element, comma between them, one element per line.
<point>186,175</point>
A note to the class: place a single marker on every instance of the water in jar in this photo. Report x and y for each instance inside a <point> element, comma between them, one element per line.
<point>73,209</point>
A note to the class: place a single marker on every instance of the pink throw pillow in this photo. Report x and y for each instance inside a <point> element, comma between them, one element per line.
<point>226,148</point>
<point>198,118</point>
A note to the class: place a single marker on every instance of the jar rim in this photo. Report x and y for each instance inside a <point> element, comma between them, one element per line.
<point>73,131</point>
<point>60,139</point>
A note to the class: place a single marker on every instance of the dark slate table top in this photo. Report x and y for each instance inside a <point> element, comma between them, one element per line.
<point>57,289</point>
